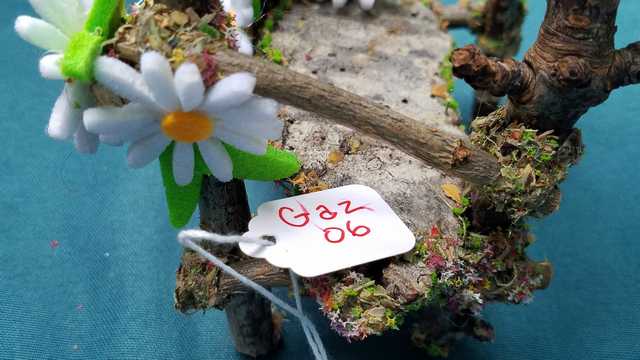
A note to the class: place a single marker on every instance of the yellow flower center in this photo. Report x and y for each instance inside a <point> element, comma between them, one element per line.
<point>188,127</point>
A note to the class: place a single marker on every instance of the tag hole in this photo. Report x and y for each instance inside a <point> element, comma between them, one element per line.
<point>269,238</point>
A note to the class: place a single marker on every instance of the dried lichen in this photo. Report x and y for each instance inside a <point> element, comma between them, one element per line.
<point>532,165</point>
<point>180,36</point>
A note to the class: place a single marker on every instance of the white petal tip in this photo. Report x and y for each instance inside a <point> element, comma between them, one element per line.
<point>49,67</point>
<point>183,181</point>
<point>223,178</point>
<point>57,134</point>
<point>23,23</point>
<point>87,149</point>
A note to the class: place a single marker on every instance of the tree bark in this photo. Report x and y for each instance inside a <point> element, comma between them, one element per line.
<point>446,151</point>
<point>224,209</point>
<point>571,67</point>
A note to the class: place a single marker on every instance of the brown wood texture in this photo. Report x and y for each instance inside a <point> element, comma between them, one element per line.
<point>224,209</point>
<point>572,66</point>
<point>450,153</point>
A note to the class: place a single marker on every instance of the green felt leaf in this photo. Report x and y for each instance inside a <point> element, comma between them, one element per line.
<point>105,17</point>
<point>274,165</point>
<point>80,55</point>
<point>257,9</point>
<point>84,47</point>
<point>182,201</point>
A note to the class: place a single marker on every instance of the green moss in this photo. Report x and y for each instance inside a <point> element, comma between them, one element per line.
<point>272,18</point>
<point>270,52</point>
<point>210,30</point>
<point>446,71</point>
<point>356,311</point>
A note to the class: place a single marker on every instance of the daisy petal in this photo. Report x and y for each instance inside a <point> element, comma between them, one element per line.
<point>242,141</point>
<point>85,142</point>
<point>112,140</point>
<point>244,16</point>
<point>67,15</point>
<point>50,67</point>
<point>229,92</point>
<point>158,76</point>
<point>217,159</point>
<point>337,4</point>
<point>65,118</point>
<point>81,94</point>
<point>121,120</point>
<point>118,139</point>
<point>183,161</point>
<point>123,80</point>
<point>243,42</point>
<point>367,4</point>
<point>227,6</point>
<point>86,5</point>
<point>189,86</point>
<point>257,117</point>
<point>41,34</point>
<point>147,149</point>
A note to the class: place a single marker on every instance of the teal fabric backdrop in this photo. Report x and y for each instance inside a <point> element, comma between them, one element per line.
<point>106,290</point>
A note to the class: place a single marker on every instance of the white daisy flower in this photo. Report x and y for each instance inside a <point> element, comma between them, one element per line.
<point>242,9</point>
<point>364,4</point>
<point>61,19</point>
<point>243,12</point>
<point>167,108</point>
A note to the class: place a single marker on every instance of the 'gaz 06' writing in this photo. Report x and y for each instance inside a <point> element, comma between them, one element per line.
<point>302,217</point>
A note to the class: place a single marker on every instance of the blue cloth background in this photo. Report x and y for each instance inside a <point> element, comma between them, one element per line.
<point>106,292</point>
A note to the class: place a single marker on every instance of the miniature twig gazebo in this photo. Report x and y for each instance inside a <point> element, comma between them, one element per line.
<point>368,102</point>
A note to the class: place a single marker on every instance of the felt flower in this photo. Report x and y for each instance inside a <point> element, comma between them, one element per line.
<point>61,20</point>
<point>364,4</point>
<point>242,10</point>
<point>166,108</point>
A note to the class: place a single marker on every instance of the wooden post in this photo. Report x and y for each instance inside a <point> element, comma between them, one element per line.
<point>224,209</point>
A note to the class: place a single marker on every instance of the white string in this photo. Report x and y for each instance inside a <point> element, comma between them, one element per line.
<point>186,238</point>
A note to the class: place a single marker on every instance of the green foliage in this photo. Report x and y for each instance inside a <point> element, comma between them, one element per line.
<point>79,57</point>
<point>446,71</point>
<point>183,200</point>
<point>84,47</point>
<point>275,164</point>
<point>529,166</point>
<point>273,17</point>
<point>210,30</point>
<point>272,53</point>
<point>105,17</point>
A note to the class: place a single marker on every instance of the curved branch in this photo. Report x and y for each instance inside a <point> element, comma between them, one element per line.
<point>439,148</point>
<point>626,66</point>
<point>498,77</point>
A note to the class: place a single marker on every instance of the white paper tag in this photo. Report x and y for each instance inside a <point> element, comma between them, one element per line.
<point>330,230</point>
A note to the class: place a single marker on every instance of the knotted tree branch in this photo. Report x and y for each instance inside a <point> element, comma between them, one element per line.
<point>626,66</point>
<point>498,77</point>
<point>439,148</point>
<point>571,67</point>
